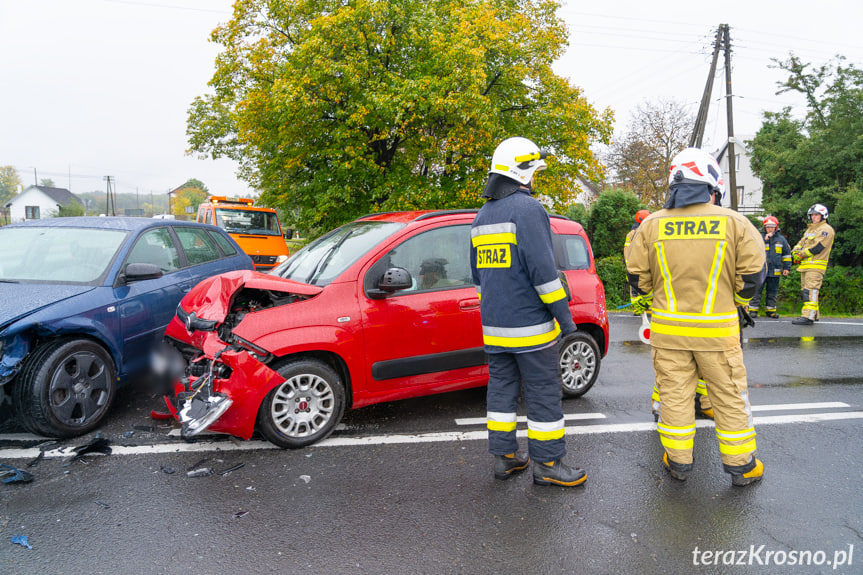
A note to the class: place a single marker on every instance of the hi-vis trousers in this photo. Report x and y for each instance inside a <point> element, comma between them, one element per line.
<point>540,374</point>
<point>724,375</point>
<point>810,282</point>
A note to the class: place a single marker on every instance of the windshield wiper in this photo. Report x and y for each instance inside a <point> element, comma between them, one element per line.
<point>319,267</point>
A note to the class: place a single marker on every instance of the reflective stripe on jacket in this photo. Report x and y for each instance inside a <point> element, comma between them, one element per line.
<point>820,234</point>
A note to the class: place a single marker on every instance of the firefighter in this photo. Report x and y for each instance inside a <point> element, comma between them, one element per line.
<point>524,308</point>
<point>639,217</point>
<point>697,265</point>
<point>812,253</point>
<point>778,254</point>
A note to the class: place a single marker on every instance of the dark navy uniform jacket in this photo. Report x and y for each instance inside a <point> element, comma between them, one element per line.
<point>513,267</point>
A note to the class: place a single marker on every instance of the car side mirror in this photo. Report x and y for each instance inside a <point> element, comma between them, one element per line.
<point>141,271</point>
<point>393,280</point>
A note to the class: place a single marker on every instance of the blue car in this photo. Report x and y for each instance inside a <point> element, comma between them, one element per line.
<point>85,301</point>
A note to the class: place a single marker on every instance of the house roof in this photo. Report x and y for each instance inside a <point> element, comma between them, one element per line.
<point>59,195</point>
<point>738,141</point>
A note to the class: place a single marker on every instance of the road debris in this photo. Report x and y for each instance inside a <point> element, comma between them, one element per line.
<point>9,474</point>
<point>21,540</point>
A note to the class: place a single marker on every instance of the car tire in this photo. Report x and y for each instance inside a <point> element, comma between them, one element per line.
<point>65,388</point>
<point>579,361</point>
<point>305,408</point>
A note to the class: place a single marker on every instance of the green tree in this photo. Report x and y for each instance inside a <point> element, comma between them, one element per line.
<point>10,183</point>
<point>639,161</point>
<point>70,209</point>
<point>335,109</point>
<point>47,183</point>
<point>191,194</point>
<point>611,217</point>
<point>818,159</point>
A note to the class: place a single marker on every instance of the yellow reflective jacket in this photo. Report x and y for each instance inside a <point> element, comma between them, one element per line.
<point>698,263</point>
<point>820,234</point>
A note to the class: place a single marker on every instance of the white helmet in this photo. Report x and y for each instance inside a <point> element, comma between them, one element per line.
<point>694,165</point>
<point>818,209</point>
<point>517,158</point>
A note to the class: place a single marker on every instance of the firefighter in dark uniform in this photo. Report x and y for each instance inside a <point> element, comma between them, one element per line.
<point>697,265</point>
<point>524,309</point>
<point>778,253</point>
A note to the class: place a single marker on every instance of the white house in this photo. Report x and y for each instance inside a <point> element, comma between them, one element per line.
<point>37,202</point>
<point>749,187</point>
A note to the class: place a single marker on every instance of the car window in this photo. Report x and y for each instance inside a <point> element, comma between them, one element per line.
<point>223,242</point>
<point>326,258</point>
<point>436,259</point>
<point>571,252</point>
<point>155,247</point>
<point>239,221</point>
<point>57,254</point>
<point>199,246</point>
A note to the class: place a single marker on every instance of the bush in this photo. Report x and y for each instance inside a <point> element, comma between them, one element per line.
<point>612,272</point>
<point>841,292</point>
<point>611,218</point>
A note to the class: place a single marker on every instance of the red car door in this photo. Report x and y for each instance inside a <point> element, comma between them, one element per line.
<point>429,334</point>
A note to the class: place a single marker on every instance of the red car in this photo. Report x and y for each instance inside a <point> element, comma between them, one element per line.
<point>380,309</point>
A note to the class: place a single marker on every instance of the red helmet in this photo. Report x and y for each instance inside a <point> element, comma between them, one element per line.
<point>640,215</point>
<point>771,221</point>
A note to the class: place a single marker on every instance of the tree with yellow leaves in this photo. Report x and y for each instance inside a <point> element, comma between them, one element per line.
<point>337,109</point>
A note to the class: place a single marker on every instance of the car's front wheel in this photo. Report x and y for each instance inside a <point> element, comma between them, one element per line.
<point>65,388</point>
<point>305,408</point>
<point>579,361</point>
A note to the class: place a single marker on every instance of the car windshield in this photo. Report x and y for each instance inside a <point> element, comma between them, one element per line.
<point>326,258</point>
<point>57,255</point>
<point>238,221</point>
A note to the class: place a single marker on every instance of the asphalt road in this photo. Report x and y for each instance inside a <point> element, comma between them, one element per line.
<point>406,487</point>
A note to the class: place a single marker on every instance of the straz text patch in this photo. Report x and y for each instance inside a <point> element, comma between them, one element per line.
<point>493,256</point>
<point>693,228</point>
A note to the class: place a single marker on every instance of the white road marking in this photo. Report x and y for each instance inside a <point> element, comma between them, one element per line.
<point>435,437</point>
<point>523,419</point>
<point>784,406</point>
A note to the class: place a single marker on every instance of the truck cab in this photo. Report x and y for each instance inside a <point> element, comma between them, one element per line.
<point>256,229</point>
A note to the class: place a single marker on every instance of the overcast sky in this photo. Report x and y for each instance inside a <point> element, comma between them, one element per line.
<point>90,88</point>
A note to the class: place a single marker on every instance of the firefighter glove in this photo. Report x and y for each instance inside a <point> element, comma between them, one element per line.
<point>796,257</point>
<point>744,317</point>
<point>640,304</point>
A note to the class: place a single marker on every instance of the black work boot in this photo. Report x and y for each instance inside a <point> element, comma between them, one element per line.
<point>505,466</point>
<point>558,473</point>
<point>679,471</point>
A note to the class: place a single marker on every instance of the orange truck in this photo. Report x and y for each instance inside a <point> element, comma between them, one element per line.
<point>256,229</point>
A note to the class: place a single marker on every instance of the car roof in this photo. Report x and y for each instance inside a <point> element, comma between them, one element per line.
<point>107,222</point>
<point>558,221</point>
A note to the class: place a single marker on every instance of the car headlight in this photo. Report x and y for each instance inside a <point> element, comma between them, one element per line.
<point>282,258</point>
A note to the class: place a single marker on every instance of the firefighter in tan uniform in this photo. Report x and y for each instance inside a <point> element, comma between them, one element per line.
<point>697,265</point>
<point>812,252</point>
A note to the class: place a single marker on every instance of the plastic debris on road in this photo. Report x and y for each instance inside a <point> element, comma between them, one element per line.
<point>21,540</point>
<point>9,474</point>
<point>95,445</point>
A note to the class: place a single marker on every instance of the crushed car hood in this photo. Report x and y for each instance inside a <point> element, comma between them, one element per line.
<point>21,299</point>
<point>211,299</point>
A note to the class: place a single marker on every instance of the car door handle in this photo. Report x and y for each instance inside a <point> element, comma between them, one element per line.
<point>468,304</point>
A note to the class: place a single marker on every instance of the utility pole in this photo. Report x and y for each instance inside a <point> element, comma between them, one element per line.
<point>732,159</point>
<point>110,208</point>
<point>701,119</point>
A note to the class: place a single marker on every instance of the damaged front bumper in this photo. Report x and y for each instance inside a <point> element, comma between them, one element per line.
<point>221,393</point>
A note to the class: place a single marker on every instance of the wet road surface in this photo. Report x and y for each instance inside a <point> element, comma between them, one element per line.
<point>406,487</point>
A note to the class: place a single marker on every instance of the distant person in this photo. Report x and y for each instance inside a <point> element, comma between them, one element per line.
<point>812,253</point>
<point>778,254</point>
